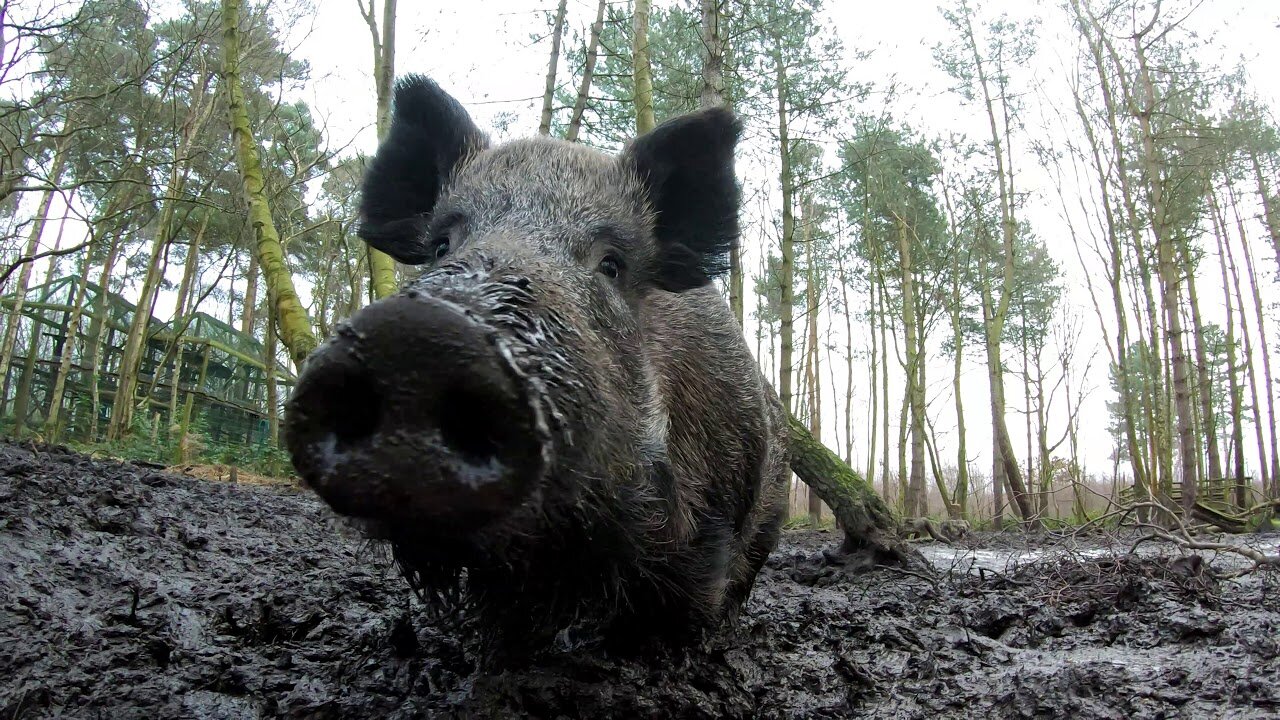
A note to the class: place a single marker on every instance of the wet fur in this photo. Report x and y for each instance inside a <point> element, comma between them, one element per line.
<point>667,486</point>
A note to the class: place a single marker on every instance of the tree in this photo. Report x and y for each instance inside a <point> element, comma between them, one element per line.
<point>888,177</point>
<point>783,41</point>
<point>1170,274</point>
<point>641,72</point>
<point>588,73</point>
<point>549,94</point>
<point>382,268</point>
<point>983,73</point>
<point>675,53</point>
<point>713,95</point>
<point>197,113</point>
<point>292,322</point>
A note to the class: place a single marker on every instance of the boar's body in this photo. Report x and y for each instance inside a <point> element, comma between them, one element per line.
<point>559,422</point>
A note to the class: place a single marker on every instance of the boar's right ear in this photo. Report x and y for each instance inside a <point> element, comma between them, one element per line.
<point>430,134</point>
<point>686,165</point>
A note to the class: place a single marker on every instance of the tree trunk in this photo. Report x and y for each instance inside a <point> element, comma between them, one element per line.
<point>91,338</point>
<point>356,299</point>
<point>961,496</point>
<point>713,45</point>
<point>249,315</point>
<point>873,372</point>
<point>1157,463</point>
<point>915,501</point>
<point>588,72</point>
<point>848,378</point>
<point>787,270</point>
<point>939,481</point>
<point>1233,380</point>
<point>1205,394</point>
<point>189,406</point>
<point>273,392</point>
<point>884,382</point>
<point>291,317</point>
<point>1036,498</point>
<point>1270,211</point>
<point>122,403</point>
<point>1079,513</point>
<point>1171,283</point>
<point>904,425</point>
<point>1120,355</point>
<point>1044,472</point>
<point>997,486</point>
<point>22,397</point>
<point>1247,342</point>
<point>1033,484</point>
<point>24,274</point>
<point>815,374</point>
<point>870,527</point>
<point>382,268</point>
<point>713,95</point>
<point>998,310</point>
<point>642,74</point>
<point>182,320</point>
<point>98,328</point>
<point>1115,280</point>
<point>828,346</point>
<point>1003,445</point>
<point>1273,469</point>
<point>921,490</point>
<point>549,92</point>
<point>72,333</point>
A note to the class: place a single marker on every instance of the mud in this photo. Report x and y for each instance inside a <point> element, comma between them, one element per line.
<point>127,592</point>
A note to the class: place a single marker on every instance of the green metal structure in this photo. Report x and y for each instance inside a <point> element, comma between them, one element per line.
<point>220,374</point>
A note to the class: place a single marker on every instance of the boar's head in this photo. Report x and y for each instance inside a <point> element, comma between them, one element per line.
<point>500,419</point>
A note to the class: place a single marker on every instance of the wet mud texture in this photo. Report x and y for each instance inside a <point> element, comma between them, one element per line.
<point>129,593</point>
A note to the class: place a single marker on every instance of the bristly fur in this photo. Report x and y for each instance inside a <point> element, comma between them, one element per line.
<point>687,166</point>
<point>665,486</point>
<point>430,135</point>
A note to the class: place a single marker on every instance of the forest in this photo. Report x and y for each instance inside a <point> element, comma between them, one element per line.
<point>939,308</point>
<point>1010,266</point>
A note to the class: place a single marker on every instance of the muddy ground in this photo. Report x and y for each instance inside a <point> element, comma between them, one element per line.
<point>126,592</point>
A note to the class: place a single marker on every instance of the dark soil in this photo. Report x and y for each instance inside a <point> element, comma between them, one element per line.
<point>126,592</point>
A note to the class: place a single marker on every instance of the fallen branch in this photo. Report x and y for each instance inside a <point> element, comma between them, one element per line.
<point>1180,535</point>
<point>1257,556</point>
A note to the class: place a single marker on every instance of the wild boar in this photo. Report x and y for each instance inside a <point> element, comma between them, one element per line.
<point>559,422</point>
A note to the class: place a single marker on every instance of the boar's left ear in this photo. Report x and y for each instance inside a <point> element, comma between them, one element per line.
<point>430,135</point>
<point>686,165</point>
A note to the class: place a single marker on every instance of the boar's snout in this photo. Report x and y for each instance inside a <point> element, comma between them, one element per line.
<point>414,413</point>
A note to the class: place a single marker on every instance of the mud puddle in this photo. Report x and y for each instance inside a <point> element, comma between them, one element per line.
<point>126,592</point>
<point>972,555</point>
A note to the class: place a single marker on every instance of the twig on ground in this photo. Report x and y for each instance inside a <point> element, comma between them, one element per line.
<point>932,581</point>
<point>1181,536</point>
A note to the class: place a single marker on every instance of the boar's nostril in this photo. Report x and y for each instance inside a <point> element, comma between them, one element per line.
<point>356,408</point>
<point>469,425</point>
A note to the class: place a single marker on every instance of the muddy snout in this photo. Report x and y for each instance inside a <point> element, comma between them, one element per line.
<point>413,412</point>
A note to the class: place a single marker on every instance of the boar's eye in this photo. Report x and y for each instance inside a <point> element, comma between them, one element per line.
<point>610,266</point>
<point>442,232</point>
